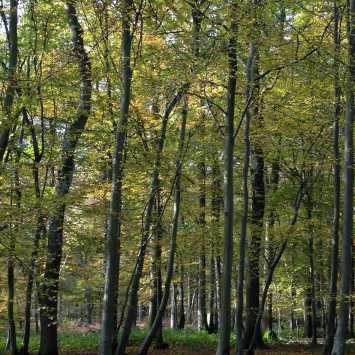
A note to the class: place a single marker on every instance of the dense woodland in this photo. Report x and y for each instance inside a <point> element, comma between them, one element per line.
<point>177,164</point>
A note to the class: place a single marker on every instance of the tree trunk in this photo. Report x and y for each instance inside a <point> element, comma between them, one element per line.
<point>30,280</point>
<point>311,289</point>
<point>225,311</point>
<point>181,322</point>
<point>274,180</point>
<point>156,270</point>
<point>143,350</point>
<point>11,297</point>
<point>133,297</point>
<point>258,200</point>
<point>40,227</point>
<point>109,311</point>
<point>49,292</point>
<point>339,340</point>
<point>173,307</point>
<point>336,198</point>
<point>216,204</point>
<point>5,127</point>
<point>244,222</point>
<point>202,309</point>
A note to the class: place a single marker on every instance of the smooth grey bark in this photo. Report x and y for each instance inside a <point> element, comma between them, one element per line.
<point>225,311</point>
<point>137,273</point>
<point>346,266</point>
<point>49,289</point>
<point>109,310</point>
<point>143,350</point>
<point>5,127</point>
<point>330,331</point>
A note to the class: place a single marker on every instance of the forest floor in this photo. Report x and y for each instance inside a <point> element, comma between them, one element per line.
<point>75,341</point>
<point>294,349</point>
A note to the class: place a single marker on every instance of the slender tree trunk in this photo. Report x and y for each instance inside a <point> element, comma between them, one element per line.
<point>269,276</point>
<point>5,127</point>
<point>30,280</point>
<point>143,350</point>
<point>311,277</point>
<point>258,200</point>
<point>336,198</point>
<point>133,297</point>
<point>308,312</point>
<point>274,180</point>
<point>225,310</point>
<point>217,201</point>
<point>243,226</point>
<point>212,288</point>
<point>202,309</point>
<point>49,292</point>
<point>173,308</point>
<point>11,297</point>
<point>156,271</point>
<point>339,340</point>
<point>182,318</point>
<point>40,226</point>
<point>109,311</point>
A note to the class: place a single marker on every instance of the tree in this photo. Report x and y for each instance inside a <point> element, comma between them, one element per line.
<point>225,311</point>
<point>108,328</point>
<point>49,291</point>
<point>346,266</point>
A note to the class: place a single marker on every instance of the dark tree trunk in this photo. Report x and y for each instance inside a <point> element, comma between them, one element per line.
<point>133,296</point>
<point>40,227</point>
<point>143,350</point>
<point>30,280</point>
<point>270,273</point>
<point>11,298</point>
<point>49,290</point>
<point>274,180</point>
<point>311,289</point>
<point>156,270</point>
<point>5,127</point>
<point>308,313</point>
<point>225,310</point>
<point>216,205</point>
<point>202,310</point>
<point>336,198</point>
<point>182,318</point>
<point>244,223</point>
<point>212,296</point>
<point>109,311</point>
<point>258,200</point>
<point>339,340</point>
<point>173,307</point>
